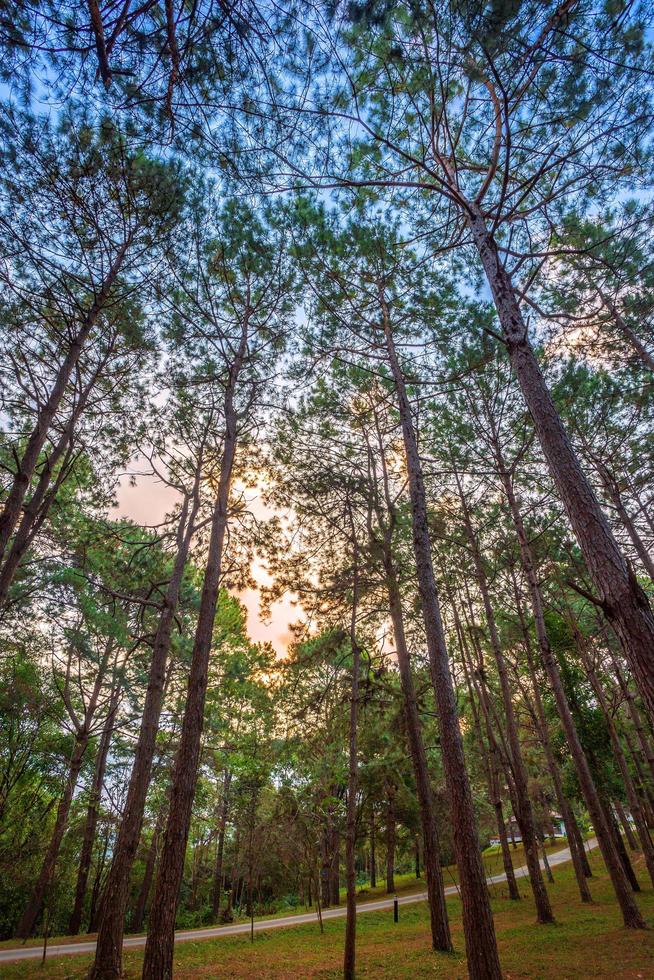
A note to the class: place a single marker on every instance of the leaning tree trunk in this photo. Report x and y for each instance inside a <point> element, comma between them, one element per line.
<point>109,948</point>
<point>613,492</point>
<point>624,602</point>
<point>11,510</point>
<point>158,960</point>
<point>524,811</point>
<point>440,929</point>
<point>82,737</point>
<point>88,837</point>
<point>36,510</point>
<point>335,868</point>
<point>46,873</point>
<point>579,862</point>
<point>630,912</point>
<point>632,796</point>
<point>492,767</point>
<point>148,874</point>
<point>626,826</point>
<point>478,927</point>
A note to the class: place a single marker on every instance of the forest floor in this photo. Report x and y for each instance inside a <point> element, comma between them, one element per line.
<point>405,884</point>
<point>587,941</point>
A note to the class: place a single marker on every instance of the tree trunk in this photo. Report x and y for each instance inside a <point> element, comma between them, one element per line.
<point>579,861</point>
<point>349,954</point>
<point>325,867</point>
<point>479,931</point>
<point>391,836</point>
<point>440,930</point>
<point>158,960</point>
<point>524,810</point>
<point>88,837</point>
<point>373,851</point>
<point>492,766</point>
<point>36,509</point>
<point>148,874</point>
<point>46,873</point>
<point>626,826</point>
<point>95,902</point>
<point>624,602</point>
<point>634,714</point>
<point>614,495</point>
<point>417,855</point>
<point>619,845</point>
<point>220,850</point>
<point>630,912</point>
<point>627,782</point>
<point>548,870</point>
<point>630,336</point>
<point>109,948</point>
<point>335,868</point>
<point>10,514</point>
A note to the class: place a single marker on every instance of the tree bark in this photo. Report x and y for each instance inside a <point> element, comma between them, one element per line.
<point>579,861</point>
<point>524,811</point>
<point>158,960</point>
<point>373,851</point>
<point>624,602</point>
<point>138,917</point>
<point>440,929</point>
<point>391,836</point>
<point>10,514</point>
<point>46,873</point>
<point>349,953</point>
<point>108,955</point>
<point>220,849</point>
<point>630,913</point>
<point>92,813</point>
<point>479,930</point>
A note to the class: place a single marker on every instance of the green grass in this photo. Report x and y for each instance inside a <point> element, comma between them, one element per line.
<point>587,941</point>
<point>406,884</point>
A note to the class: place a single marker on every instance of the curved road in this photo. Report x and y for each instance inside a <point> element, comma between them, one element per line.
<point>260,925</point>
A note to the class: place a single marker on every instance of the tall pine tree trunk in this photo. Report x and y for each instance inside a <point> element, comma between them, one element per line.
<point>391,837</point>
<point>158,960</point>
<point>630,912</point>
<point>440,930</point>
<point>572,831</point>
<point>349,953</point>
<point>220,849</point>
<point>12,507</point>
<point>148,874</point>
<point>624,602</point>
<point>44,880</point>
<point>479,930</point>
<point>92,813</point>
<point>523,807</point>
<point>108,955</point>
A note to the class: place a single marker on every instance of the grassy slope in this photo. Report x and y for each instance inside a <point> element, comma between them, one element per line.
<point>585,942</point>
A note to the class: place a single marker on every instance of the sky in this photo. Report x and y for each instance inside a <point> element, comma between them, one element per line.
<point>148,502</point>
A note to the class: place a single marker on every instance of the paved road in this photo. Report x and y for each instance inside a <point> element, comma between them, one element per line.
<point>260,925</point>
